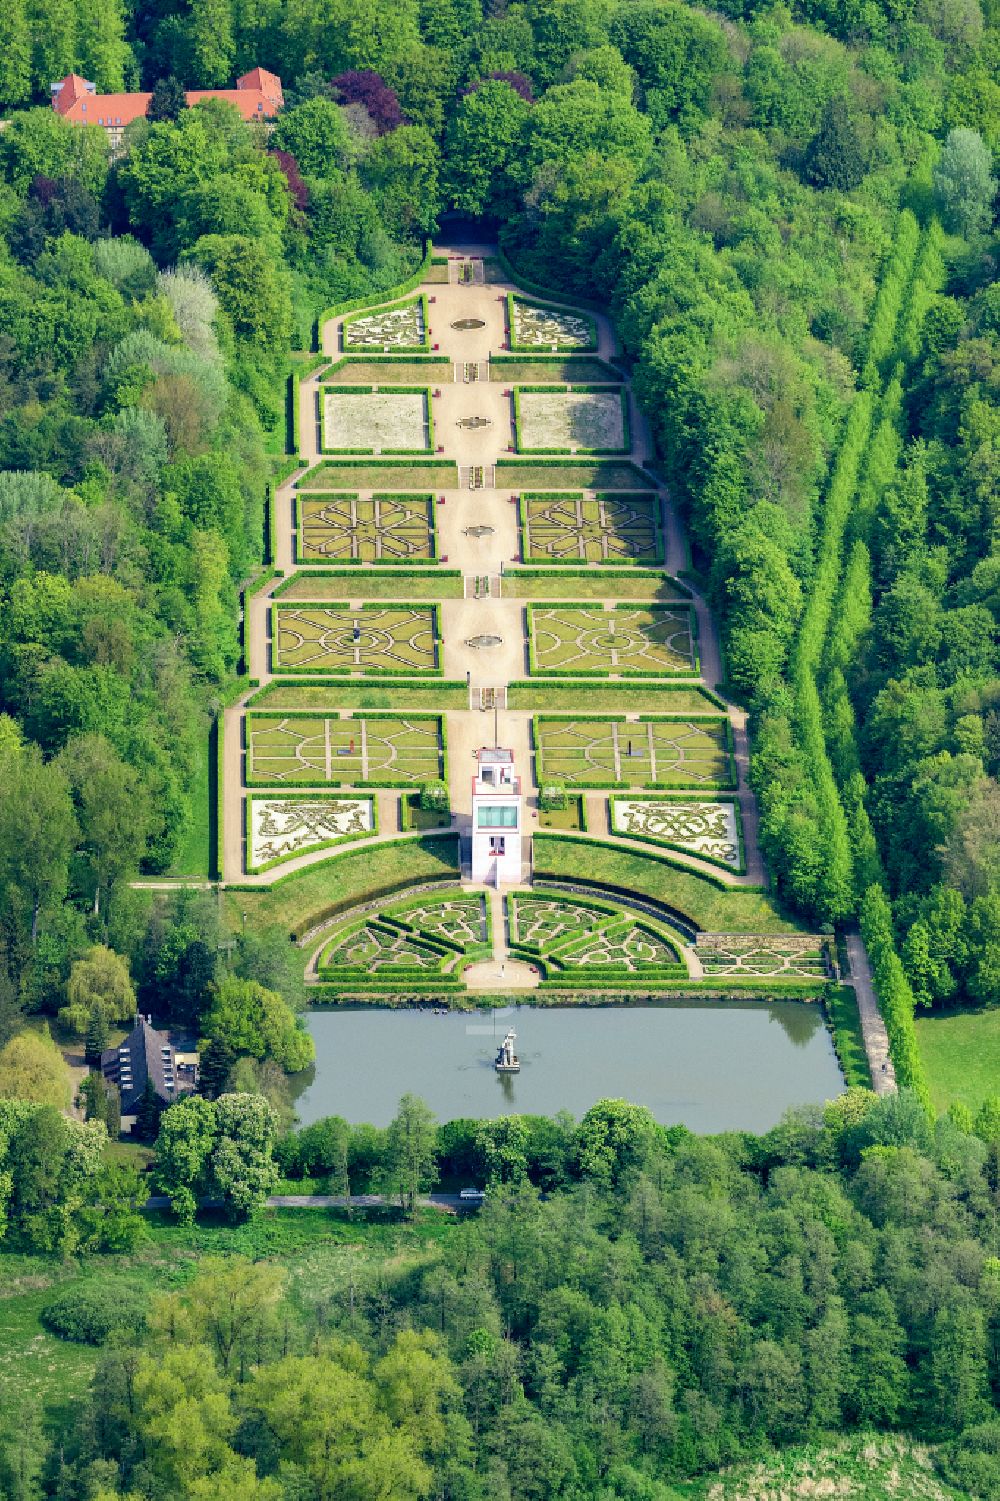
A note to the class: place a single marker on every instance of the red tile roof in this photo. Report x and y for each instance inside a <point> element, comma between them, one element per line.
<point>257,95</point>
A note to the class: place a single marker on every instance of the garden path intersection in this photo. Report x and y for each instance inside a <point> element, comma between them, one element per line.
<point>536,605</point>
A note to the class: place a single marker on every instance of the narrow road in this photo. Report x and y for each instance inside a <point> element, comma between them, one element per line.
<point>873,1031</point>
<point>449,1203</point>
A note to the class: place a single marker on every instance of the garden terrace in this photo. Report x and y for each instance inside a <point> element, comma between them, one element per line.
<point>536,326</point>
<point>331,639</point>
<point>526,474</point>
<point>710,828</point>
<point>574,370</point>
<point>647,752</point>
<point>581,942</point>
<point>381,529</point>
<point>390,370</point>
<point>397,329</point>
<point>282,826</point>
<point>407,942</point>
<point>586,419</point>
<point>574,640</point>
<point>593,583</point>
<point>608,529</point>
<point>320,586</point>
<point>315,748</point>
<point>388,420</point>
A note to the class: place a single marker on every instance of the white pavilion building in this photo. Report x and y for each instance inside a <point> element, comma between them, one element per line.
<point>496,818</point>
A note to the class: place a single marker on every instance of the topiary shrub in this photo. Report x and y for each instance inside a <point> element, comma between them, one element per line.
<point>434,797</point>
<point>91,1313</point>
<point>552,797</point>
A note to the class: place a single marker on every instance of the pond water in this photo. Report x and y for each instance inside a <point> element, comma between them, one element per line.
<point>728,1066</point>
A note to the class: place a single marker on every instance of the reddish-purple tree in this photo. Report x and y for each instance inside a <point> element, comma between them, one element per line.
<point>297,188</point>
<point>518,82</point>
<point>366,87</point>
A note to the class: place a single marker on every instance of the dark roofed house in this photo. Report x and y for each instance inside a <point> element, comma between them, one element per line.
<point>146,1054</point>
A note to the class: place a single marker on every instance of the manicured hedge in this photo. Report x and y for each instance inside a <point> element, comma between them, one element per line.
<point>356,304</point>
<point>220,795</point>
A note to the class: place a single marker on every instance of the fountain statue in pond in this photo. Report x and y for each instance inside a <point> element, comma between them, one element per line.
<point>507,1061</point>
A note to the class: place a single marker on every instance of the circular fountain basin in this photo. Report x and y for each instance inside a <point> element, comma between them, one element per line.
<point>479,642</point>
<point>464,324</point>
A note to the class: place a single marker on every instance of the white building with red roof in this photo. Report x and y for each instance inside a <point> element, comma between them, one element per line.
<point>257,96</point>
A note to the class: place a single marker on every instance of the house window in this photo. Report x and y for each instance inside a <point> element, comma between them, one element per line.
<point>498,844</point>
<point>118,119</point>
<point>495,816</point>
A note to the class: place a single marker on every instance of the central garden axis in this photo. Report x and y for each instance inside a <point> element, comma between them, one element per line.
<point>473,470</point>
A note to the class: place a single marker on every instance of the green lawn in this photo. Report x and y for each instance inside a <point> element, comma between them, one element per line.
<point>842,1012</point>
<point>570,817</point>
<point>388,475</point>
<point>350,877</point>
<point>523,370</point>
<point>192,854</point>
<point>568,474</point>
<point>356,695</point>
<point>665,698</point>
<point>595,583</point>
<point>716,910</point>
<point>431,582</point>
<point>961,1054</point>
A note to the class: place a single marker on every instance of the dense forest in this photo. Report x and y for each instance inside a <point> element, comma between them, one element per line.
<point>670,1305</point>
<point>790,212</point>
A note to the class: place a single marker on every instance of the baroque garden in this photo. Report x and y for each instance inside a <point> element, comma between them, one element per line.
<point>473,547</point>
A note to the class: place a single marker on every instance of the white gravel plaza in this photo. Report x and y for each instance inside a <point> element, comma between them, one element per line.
<point>375,421</point>
<point>571,419</point>
<point>399,328</point>
<point>703,828</point>
<point>283,827</point>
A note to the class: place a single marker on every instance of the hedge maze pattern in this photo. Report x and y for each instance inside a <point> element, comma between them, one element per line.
<point>786,954</point>
<point>536,327</point>
<point>598,752</point>
<point>409,941</point>
<point>562,421</point>
<point>334,638</point>
<point>389,328</point>
<point>384,421</point>
<point>710,829</point>
<point>315,749</point>
<point>281,828</point>
<point>653,641</point>
<point>608,529</point>
<point>574,941</point>
<point>375,529</point>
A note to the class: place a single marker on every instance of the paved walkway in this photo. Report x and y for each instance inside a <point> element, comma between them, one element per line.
<point>450,1203</point>
<point>876,1038</point>
<point>463,619</point>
